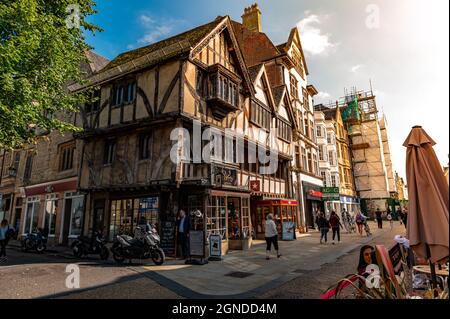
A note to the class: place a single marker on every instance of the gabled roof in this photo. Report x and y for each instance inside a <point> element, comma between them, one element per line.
<point>281,47</point>
<point>255,46</point>
<point>96,61</point>
<point>253,71</point>
<point>193,36</point>
<point>279,94</point>
<point>294,31</point>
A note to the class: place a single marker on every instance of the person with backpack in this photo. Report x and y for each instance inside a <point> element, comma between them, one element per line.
<point>324,226</point>
<point>5,235</point>
<point>335,223</point>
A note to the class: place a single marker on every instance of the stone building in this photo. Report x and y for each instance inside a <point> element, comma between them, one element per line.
<point>39,183</point>
<point>328,160</point>
<point>287,72</point>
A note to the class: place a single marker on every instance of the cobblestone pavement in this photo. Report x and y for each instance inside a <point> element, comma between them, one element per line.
<point>312,284</point>
<point>305,270</point>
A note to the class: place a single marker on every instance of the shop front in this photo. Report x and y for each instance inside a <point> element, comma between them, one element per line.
<point>350,203</point>
<point>331,199</point>
<point>284,212</point>
<point>312,195</point>
<point>57,208</point>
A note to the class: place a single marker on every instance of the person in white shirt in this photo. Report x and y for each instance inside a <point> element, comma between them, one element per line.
<point>271,236</point>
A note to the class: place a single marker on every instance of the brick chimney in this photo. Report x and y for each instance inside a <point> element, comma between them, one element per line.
<point>251,19</point>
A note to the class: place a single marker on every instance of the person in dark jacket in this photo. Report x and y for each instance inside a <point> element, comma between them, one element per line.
<point>378,215</point>
<point>183,226</point>
<point>324,226</point>
<point>336,226</point>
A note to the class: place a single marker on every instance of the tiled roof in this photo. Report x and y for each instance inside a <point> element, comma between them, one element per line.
<point>256,47</point>
<point>193,36</point>
<point>277,93</point>
<point>280,47</point>
<point>96,61</point>
<point>330,113</point>
<point>254,70</point>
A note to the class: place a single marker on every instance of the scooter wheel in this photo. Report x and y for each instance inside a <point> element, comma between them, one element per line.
<point>41,248</point>
<point>77,251</point>
<point>158,256</point>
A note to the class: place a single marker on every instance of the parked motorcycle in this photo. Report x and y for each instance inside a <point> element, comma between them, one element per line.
<point>144,245</point>
<point>37,240</point>
<point>84,246</point>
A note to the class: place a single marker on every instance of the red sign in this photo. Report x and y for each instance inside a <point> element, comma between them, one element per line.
<point>255,186</point>
<point>315,193</point>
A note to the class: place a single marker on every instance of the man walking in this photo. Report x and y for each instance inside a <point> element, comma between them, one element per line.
<point>184,225</point>
<point>379,218</point>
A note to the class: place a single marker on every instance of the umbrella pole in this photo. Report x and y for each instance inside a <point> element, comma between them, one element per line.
<point>432,268</point>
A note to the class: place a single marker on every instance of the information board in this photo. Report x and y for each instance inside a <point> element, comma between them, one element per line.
<point>196,243</point>
<point>215,245</point>
<point>168,238</point>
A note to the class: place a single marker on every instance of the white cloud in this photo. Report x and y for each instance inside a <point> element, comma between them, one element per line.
<point>323,95</point>
<point>314,41</point>
<point>155,29</point>
<point>156,34</point>
<point>355,68</point>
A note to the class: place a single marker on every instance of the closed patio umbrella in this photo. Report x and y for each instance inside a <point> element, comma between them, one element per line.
<point>428,224</point>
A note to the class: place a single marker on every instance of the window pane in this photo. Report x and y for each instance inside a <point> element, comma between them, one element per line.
<point>76,220</point>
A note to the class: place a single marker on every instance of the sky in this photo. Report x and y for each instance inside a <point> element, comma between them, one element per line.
<point>400,46</point>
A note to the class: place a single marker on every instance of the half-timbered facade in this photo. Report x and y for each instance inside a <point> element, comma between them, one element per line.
<point>185,96</point>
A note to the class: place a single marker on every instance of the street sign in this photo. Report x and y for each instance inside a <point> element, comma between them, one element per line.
<point>330,193</point>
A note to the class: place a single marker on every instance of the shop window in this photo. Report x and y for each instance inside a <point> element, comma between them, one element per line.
<point>50,214</point>
<point>32,214</point>
<point>74,206</point>
<point>234,218</point>
<point>245,218</point>
<point>216,217</point>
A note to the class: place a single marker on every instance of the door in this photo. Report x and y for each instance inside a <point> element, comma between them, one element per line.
<point>99,215</point>
<point>66,221</point>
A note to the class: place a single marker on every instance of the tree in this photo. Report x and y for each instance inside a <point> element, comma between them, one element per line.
<point>42,46</point>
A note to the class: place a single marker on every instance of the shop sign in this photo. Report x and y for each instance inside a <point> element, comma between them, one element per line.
<point>314,193</point>
<point>152,202</point>
<point>255,186</point>
<point>196,243</point>
<point>288,230</point>
<point>225,176</point>
<point>215,245</point>
<point>330,193</point>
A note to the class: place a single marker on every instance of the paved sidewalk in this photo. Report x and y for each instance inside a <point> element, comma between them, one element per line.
<point>247,274</point>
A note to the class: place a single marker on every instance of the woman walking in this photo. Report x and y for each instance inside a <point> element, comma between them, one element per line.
<point>4,237</point>
<point>335,226</point>
<point>324,225</point>
<point>360,222</point>
<point>271,235</point>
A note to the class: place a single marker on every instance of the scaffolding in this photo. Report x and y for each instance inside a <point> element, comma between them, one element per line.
<point>368,141</point>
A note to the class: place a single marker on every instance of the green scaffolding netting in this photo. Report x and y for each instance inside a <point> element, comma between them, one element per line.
<point>351,111</point>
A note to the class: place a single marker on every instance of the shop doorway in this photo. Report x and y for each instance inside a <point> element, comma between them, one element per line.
<point>234,218</point>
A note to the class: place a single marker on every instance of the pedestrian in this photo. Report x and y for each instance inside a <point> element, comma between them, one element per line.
<point>379,218</point>
<point>391,221</point>
<point>405,216</point>
<point>365,258</point>
<point>5,234</point>
<point>400,215</point>
<point>359,218</point>
<point>317,219</point>
<point>271,236</point>
<point>336,226</point>
<point>184,225</point>
<point>324,226</point>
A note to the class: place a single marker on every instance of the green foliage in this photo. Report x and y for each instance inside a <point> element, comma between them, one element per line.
<point>39,57</point>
